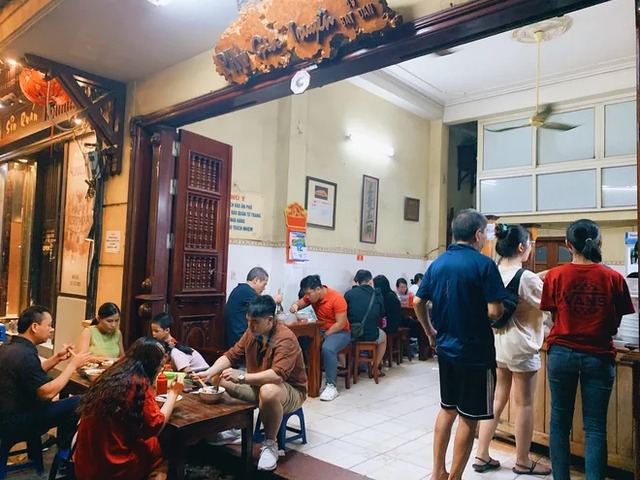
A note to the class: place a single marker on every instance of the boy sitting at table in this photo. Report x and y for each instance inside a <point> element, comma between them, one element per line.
<point>183,358</point>
<point>275,380</point>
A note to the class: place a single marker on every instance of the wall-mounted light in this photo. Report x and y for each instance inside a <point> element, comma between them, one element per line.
<point>77,121</point>
<point>12,62</point>
<point>23,160</point>
<point>369,145</point>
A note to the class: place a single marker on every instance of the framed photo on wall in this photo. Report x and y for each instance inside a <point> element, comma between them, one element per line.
<point>411,209</point>
<point>369,216</point>
<point>320,203</point>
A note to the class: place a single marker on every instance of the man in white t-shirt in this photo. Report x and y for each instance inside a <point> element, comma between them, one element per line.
<point>183,358</point>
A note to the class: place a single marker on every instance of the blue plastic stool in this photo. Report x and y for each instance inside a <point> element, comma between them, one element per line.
<point>34,451</point>
<point>301,433</point>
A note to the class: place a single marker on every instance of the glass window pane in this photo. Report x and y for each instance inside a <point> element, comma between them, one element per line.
<point>556,146</point>
<point>507,149</point>
<point>564,255</point>
<point>619,187</point>
<point>506,195</point>
<point>620,129</point>
<point>541,254</point>
<point>567,191</point>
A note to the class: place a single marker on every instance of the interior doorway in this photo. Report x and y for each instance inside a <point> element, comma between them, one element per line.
<point>551,252</point>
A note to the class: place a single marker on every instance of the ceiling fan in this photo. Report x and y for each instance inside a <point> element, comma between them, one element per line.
<point>539,119</point>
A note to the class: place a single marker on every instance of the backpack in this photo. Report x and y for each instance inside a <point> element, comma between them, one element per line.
<point>357,329</point>
<point>511,302</point>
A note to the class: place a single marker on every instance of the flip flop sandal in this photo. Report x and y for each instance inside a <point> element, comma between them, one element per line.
<point>486,465</point>
<point>531,470</point>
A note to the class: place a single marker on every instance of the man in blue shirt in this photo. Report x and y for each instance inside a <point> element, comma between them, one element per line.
<point>235,311</point>
<point>467,292</point>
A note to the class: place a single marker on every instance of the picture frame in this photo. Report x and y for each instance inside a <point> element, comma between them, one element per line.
<point>411,209</point>
<point>369,212</point>
<point>320,203</point>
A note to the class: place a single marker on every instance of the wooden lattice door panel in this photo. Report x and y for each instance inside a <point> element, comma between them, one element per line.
<point>201,240</point>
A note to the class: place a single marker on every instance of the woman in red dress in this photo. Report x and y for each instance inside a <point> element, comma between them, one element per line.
<point>120,419</point>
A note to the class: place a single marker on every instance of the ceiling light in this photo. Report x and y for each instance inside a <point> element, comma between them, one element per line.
<point>370,145</point>
<point>23,160</point>
<point>12,62</point>
<point>77,121</point>
<point>160,3</point>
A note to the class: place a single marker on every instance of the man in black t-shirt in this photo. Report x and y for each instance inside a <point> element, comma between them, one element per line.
<point>27,391</point>
<point>235,311</point>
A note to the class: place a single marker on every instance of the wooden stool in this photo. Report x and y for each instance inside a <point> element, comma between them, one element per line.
<point>371,360</point>
<point>346,372</point>
<point>396,343</point>
<point>405,343</point>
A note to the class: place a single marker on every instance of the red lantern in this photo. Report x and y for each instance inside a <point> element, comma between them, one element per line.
<point>34,86</point>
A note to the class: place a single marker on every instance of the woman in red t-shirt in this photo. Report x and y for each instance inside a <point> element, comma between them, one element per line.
<point>587,301</point>
<point>120,419</point>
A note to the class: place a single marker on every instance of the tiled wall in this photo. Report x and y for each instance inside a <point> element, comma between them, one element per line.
<point>336,269</point>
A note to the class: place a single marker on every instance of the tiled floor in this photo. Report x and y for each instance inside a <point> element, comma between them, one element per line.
<point>385,431</point>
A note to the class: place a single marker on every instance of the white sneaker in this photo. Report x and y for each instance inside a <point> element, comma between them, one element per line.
<point>228,437</point>
<point>268,455</point>
<point>329,394</point>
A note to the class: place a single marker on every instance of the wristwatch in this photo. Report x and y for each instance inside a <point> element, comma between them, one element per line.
<point>241,378</point>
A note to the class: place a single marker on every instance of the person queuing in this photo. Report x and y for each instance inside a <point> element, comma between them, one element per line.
<point>235,310</point>
<point>120,418</point>
<point>103,339</point>
<point>26,403</point>
<point>588,301</point>
<point>275,380</point>
<point>183,358</point>
<point>518,347</point>
<point>467,292</point>
<point>331,309</point>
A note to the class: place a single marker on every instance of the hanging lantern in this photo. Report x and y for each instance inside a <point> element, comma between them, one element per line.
<point>34,86</point>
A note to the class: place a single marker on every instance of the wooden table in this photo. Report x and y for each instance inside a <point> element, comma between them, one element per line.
<point>311,330</point>
<point>191,421</point>
<point>424,348</point>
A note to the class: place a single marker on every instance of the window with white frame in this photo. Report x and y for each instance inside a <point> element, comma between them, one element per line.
<point>592,167</point>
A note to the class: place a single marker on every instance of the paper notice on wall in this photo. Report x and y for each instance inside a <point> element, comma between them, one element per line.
<point>491,232</point>
<point>247,216</point>
<point>112,241</point>
<point>298,246</point>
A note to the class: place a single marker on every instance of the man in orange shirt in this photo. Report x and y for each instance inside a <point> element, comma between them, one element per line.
<point>331,309</point>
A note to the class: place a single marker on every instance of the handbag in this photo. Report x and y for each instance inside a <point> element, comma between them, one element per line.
<point>357,329</point>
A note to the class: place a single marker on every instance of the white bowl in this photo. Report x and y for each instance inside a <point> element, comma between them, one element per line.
<point>210,396</point>
<point>93,372</point>
<point>303,316</point>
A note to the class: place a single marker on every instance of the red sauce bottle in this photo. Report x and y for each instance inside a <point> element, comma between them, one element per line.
<point>161,384</point>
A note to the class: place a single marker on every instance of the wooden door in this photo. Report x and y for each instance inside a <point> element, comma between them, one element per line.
<point>45,248</point>
<point>551,252</point>
<point>197,281</point>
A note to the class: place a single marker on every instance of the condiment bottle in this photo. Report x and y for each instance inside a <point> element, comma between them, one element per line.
<point>161,384</point>
<point>410,299</point>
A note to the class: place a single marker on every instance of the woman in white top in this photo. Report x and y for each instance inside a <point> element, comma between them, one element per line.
<point>183,358</point>
<point>415,283</point>
<point>517,354</point>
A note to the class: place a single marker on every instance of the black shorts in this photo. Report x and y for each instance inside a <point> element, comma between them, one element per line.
<point>470,391</point>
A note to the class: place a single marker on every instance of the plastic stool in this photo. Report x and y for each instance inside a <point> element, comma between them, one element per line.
<point>33,450</point>
<point>301,433</point>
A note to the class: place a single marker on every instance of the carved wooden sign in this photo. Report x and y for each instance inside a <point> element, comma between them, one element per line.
<point>275,33</point>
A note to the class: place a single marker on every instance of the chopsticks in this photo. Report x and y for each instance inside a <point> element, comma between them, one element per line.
<point>69,349</point>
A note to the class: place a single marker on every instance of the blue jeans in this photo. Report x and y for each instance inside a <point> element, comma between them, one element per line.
<point>565,367</point>
<point>330,348</point>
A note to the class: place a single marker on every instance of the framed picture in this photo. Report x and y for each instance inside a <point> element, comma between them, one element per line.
<point>411,209</point>
<point>320,203</point>
<point>369,216</point>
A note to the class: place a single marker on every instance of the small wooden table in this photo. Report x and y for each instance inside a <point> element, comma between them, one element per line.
<point>311,330</point>
<point>191,421</point>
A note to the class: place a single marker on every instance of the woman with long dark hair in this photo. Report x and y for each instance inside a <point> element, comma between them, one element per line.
<point>517,353</point>
<point>183,358</point>
<point>392,306</point>
<point>588,301</point>
<point>103,339</point>
<point>120,419</point>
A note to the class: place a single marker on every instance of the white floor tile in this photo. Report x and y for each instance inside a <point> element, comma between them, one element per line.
<point>314,439</point>
<point>334,427</point>
<point>385,468</point>
<point>364,418</point>
<point>374,440</point>
<point>341,454</point>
